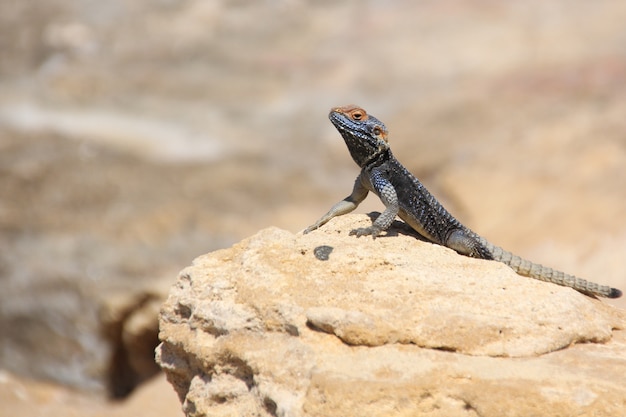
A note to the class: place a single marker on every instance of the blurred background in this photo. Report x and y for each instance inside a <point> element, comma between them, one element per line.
<point>135,136</point>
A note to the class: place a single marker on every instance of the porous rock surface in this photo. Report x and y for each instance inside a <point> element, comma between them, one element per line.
<point>327,324</point>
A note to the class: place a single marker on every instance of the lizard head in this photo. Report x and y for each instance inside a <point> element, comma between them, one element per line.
<point>365,135</point>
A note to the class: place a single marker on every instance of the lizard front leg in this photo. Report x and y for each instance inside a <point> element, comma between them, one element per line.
<point>348,204</point>
<point>388,196</point>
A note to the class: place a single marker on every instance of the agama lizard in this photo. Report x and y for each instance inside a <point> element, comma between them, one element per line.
<point>404,195</point>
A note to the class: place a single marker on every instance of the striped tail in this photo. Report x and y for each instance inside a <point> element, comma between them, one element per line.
<point>543,273</point>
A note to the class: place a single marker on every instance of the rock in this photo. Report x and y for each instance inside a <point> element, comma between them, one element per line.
<point>130,328</point>
<point>327,324</point>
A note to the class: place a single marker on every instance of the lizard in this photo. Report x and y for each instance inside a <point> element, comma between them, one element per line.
<point>406,197</point>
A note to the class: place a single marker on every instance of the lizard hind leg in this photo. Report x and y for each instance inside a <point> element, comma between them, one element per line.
<point>466,244</point>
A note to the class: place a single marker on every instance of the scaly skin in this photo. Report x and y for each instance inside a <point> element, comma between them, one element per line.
<point>404,196</point>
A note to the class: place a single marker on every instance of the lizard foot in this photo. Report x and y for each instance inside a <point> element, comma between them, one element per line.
<point>365,231</point>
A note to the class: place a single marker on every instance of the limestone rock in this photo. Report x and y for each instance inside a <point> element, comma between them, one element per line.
<point>130,328</point>
<point>328,324</point>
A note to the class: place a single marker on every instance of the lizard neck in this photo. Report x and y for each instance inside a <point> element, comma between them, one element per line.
<point>377,159</point>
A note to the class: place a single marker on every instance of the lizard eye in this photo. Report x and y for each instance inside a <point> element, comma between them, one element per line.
<point>377,131</point>
<point>357,115</point>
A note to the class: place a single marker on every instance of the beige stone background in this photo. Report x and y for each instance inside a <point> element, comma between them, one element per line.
<point>135,136</point>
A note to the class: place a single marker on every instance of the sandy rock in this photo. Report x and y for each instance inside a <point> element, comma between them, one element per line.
<point>130,328</point>
<point>392,326</point>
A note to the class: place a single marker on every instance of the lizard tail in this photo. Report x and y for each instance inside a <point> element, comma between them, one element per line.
<point>543,273</point>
